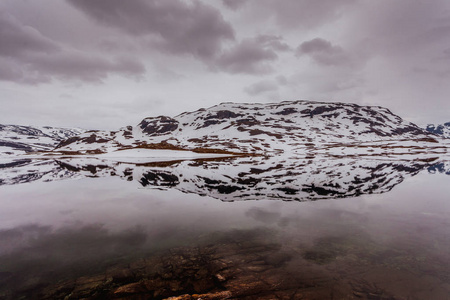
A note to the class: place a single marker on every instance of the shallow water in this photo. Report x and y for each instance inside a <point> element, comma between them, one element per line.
<point>248,228</point>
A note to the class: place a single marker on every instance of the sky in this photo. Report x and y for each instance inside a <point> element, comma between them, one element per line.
<point>105,64</point>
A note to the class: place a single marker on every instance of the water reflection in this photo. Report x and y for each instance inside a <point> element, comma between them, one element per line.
<point>441,167</point>
<point>233,179</point>
<point>142,230</point>
<point>34,255</point>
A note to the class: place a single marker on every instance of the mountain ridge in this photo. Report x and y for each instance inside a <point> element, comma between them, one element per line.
<point>297,127</point>
<point>288,126</point>
<point>21,139</point>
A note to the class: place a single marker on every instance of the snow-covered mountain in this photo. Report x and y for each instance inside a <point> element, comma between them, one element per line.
<point>441,129</point>
<point>235,179</point>
<point>16,139</point>
<point>295,126</point>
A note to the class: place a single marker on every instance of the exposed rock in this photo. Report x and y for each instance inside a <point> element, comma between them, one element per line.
<point>287,111</point>
<point>159,179</point>
<point>223,114</point>
<point>442,130</point>
<point>158,126</point>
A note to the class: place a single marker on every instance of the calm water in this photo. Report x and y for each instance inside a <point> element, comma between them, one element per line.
<point>250,228</point>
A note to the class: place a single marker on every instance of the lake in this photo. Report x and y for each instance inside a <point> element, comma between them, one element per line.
<point>239,228</point>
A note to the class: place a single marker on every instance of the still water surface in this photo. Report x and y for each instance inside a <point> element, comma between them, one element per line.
<point>378,230</point>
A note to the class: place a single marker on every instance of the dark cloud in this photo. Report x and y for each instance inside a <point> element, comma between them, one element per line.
<point>194,28</point>
<point>18,40</point>
<point>317,45</point>
<point>77,65</point>
<point>234,4</point>
<point>323,52</point>
<point>174,26</point>
<point>27,56</point>
<point>252,56</point>
<point>67,65</point>
<point>261,87</point>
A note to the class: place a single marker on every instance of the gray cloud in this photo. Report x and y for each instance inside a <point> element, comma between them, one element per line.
<point>402,37</point>
<point>282,80</point>
<point>317,45</point>
<point>18,40</point>
<point>27,56</point>
<point>77,65</point>
<point>9,70</point>
<point>323,52</point>
<point>252,56</point>
<point>302,13</point>
<point>446,53</point>
<point>273,42</point>
<point>173,25</point>
<point>68,65</point>
<point>402,29</point>
<point>234,4</point>
<point>261,87</point>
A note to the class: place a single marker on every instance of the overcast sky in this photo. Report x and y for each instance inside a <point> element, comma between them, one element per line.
<point>105,64</point>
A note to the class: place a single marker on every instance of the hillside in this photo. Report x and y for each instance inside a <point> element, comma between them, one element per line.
<point>295,126</point>
<point>17,139</point>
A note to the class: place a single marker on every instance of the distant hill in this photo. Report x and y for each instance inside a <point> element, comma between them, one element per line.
<point>258,128</point>
<point>17,139</point>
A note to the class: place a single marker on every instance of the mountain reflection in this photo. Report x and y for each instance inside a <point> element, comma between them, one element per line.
<point>439,168</point>
<point>232,179</point>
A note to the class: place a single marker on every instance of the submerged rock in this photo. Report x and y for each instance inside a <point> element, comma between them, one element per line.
<point>245,264</point>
